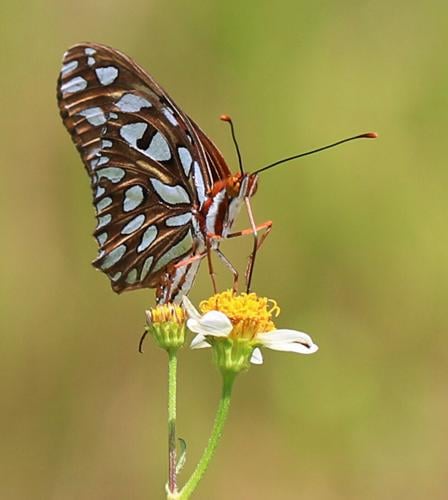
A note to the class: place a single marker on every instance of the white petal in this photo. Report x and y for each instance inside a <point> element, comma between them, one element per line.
<point>199,342</point>
<point>189,307</point>
<point>288,340</point>
<point>292,347</point>
<point>213,323</point>
<point>284,335</point>
<point>257,357</point>
<point>217,323</point>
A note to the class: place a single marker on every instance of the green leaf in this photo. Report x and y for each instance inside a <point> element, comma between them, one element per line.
<point>182,457</point>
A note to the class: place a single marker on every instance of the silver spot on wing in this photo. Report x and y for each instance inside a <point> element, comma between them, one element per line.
<point>74,85</point>
<point>148,237</point>
<point>69,67</point>
<point>199,182</point>
<point>131,278</point>
<point>113,257</point>
<point>170,116</point>
<point>179,220</point>
<point>95,116</point>
<point>107,74</point>
<point>133,225</point>
<point>176,251</point>
<point>130,103</point>
<point>159,149</point>
<point>133,197</point>
<point>99,191</point>
<point>185,159</point>
<point>172,195</point>
<point>102,160</point>
<point>116,276</point>
<point>104,220</point>
<point>94,163</point>
<point>146,267</point>
<point>104,203</point>
<point>114,174</point>
<point>101,239</point>
<point>132,132</point>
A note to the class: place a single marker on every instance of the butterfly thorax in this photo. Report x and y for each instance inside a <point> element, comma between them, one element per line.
<point>224,202</point>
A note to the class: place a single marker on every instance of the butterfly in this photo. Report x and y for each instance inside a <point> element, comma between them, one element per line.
<point>163,193</point>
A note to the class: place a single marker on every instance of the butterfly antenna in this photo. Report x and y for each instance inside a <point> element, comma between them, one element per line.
<point>368,135</point>
<point>226,118</point>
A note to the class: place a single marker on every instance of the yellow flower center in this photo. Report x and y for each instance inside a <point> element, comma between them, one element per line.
<point>248,313</point>
<point>164,313</point>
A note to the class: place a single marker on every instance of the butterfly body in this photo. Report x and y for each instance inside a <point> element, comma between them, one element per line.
<point>163,194</point>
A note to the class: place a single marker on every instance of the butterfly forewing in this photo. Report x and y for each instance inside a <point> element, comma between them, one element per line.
<point>218,168</point>
<point>149,169</point>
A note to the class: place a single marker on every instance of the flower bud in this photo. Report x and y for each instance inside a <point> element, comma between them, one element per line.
<point>166,324</point>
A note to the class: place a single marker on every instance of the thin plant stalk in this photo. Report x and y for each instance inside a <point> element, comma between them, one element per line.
<point>220,419</point>
<point>172,458</point>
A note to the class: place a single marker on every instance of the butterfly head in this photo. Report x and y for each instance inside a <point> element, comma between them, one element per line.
<point>242,185</point>
<point>235,188</point>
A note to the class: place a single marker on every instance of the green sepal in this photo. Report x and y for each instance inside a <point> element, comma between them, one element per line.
<point>168,335</point>
<point>232,355</point>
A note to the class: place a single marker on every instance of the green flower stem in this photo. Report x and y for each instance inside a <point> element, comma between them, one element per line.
<point>172,368</point>
<point>221,417</point>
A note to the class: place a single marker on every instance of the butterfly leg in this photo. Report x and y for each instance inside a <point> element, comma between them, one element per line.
<point>257,243</point>
<point>210,266</point>
<point>258,240</point>
<point>172,285</point>
<point>217,238</point>
<point>230,267</point>
<point>185,262</point>
<point>245,232</point>
<point>199,256</point>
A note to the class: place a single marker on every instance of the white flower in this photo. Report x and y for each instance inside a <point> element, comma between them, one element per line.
<point>217,324</point>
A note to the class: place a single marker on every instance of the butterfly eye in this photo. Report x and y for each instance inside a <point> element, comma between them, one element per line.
<point>233,185</point>
<point>253,186</point>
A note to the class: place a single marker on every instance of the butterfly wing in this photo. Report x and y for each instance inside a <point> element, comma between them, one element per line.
<point>150,167</point>
<point>217,166</point>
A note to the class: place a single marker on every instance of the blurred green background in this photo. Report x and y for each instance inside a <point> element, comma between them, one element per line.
<point>357,256</point>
